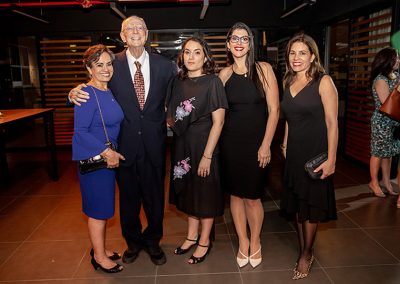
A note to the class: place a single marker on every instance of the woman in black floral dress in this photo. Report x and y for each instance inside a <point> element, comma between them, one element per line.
<point>196,104</point>
<point>383,145</point>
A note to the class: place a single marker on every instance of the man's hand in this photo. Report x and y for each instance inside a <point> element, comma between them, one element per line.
<point>76,95</point>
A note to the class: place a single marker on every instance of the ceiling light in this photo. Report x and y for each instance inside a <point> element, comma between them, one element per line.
<point>204,9</point>
<point>30,16</point>
<point>297,7</point>
<point>117,9</point>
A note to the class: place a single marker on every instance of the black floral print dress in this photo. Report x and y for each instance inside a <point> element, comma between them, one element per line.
<point>190,103</point>
<point>383,145</point>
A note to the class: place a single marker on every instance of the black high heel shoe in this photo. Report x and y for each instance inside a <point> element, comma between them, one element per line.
<point>113,257</point>
<point>196,260</point>
<point>180,250</point>
<point>117,268</point>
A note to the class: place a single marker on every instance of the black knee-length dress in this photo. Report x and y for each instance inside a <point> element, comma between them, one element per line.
<point>190,106</point>
<point>242,135</point>
<point>312,200</point>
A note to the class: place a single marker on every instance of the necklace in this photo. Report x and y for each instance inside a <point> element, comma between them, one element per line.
<point>241,74</point>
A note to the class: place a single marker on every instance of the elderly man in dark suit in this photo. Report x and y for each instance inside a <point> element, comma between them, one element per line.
<point>139,84</point>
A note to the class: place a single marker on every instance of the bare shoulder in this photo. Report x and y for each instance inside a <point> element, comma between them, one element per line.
<point>264,65</point>
<point>327,85</point>
<point>265,68</point>
<point>225,74</point>
<point>326,79</point>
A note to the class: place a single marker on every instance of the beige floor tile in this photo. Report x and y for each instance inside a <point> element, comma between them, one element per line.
<point>44,260</point>
<point>221,258</point>
<point>387,274</point>
<point>231,278</point>
<point>6,250</point>
<point>349,247</point>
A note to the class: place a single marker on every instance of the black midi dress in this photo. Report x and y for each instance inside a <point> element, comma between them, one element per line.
<point>312,200</point>
<point>190,105</point>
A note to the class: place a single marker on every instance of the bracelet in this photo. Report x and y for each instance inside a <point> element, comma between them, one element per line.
<point>283,147</point>
<point>206,157</point>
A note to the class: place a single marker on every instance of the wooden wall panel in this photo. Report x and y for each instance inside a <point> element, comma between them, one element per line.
<point>217,42</point>
<point>368,35</point>
<point>62,69</point>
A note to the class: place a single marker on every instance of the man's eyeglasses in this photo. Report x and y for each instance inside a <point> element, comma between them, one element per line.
<point>138,28</point>
<point>241,39</point>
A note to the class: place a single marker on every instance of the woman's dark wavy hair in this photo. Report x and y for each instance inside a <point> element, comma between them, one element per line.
<point>93,53</point>
<point>383,63</point>
<point>315,69</point>
<point>209,66</point>
<point>251,64</point>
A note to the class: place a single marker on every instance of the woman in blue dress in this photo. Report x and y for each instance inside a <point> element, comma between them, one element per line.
<point>89,140</point>
<point>383,145</point>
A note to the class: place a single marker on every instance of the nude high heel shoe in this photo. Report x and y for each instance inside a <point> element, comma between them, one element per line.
<point>254,262</point>
<point>242,261</point>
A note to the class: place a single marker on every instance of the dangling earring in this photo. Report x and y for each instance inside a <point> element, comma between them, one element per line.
<point>229,49</point>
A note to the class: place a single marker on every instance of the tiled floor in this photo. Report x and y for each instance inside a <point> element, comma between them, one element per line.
<point>43,236</point>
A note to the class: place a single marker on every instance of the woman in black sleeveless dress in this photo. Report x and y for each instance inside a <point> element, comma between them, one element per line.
<point>250,124</point>
<point>310,106</point>
<point>196,104</point>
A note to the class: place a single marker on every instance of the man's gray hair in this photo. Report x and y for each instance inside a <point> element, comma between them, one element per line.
<point>127,20</point>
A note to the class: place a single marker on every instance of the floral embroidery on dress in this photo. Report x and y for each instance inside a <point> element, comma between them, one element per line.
<point>184,109</point>
<point>182,168</point>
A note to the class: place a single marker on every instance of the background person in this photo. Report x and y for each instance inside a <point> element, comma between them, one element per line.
<point>384,77</point>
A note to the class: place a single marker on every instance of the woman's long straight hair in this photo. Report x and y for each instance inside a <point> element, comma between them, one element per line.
<point>253,67</point>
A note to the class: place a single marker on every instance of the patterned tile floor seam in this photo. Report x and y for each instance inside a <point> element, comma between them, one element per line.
<point>33,231</point>
<point>361,265</point>
<point>201,273</point>
<point>155,276</point>
<point>79,264</point>
<point>232,246</point>
<point>372,238</point>
<point>324,271</point>
<point>8,204</point>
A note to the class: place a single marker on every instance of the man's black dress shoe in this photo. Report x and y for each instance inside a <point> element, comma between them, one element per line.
<point>156,254</point>
<point>131,254</point>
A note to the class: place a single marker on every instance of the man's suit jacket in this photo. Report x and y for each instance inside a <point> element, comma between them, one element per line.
<point>148,124</point>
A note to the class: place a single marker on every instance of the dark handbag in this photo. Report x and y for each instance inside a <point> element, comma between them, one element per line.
<point>314,163</point>
<point>391,107</point>
<point>94,163</point>
<point>97,162</point>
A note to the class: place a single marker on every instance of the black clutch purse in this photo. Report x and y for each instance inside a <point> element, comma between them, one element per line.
<point>94,163</point>
<point>314,163</point>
